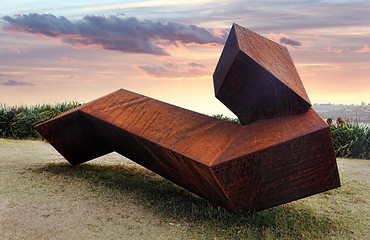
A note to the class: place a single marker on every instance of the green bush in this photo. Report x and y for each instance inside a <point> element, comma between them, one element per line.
<point>226,118</point>
<point>351,140</point>
<point>18,121</point>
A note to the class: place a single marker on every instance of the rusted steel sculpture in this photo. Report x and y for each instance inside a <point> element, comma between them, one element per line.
<point>283,152</point>
<point>256,78</point>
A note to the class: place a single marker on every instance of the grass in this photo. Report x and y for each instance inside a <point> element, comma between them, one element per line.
<point>178,205</point>
<point>226,118</point>
<point>17,122</point>
<point>351,140</point>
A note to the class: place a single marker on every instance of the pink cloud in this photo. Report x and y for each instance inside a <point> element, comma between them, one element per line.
<point>17,50</point>
<point>273,37</point>
<point>365,49</point>
<point>174,69</point>
<point>334,50</point>
<point>309,32</point>
<point>283,35</point>
<point>284,39</point>
<point>68,60</point>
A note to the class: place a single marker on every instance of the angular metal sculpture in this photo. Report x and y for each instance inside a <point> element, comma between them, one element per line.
<point>256,78</point>
<point>284,153</point>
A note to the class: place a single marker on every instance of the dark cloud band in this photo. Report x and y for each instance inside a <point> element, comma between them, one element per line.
<point>290,42</point>
<point>125,34</point>
<point>15,83</point>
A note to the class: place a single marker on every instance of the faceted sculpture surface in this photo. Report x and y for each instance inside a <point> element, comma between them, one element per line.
<point>270,161</point>
<point>256,78</point>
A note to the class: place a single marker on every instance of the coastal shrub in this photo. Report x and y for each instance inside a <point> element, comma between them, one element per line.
<point>18,122</point>
<point>351,140</point>
<point>226,118</point>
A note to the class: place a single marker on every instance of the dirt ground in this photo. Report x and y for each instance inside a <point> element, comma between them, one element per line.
<point>34,205</point>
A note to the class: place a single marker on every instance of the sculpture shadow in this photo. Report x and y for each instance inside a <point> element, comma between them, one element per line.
<point>171,201</point>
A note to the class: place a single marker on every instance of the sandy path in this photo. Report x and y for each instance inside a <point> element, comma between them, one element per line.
<point>36,206</point>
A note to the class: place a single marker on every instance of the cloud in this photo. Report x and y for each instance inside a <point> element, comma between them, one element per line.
<point>150,3</point>
<point>309,33</point>
<point>119,33</point>
<point>173,69</point>
<point>68,60</point>
<point>365,49</point>
<point>280,15</point>
<point>19,51</point>
<point>16,83</point>
<point>290,42</point>
<point>334,50</point>
<point>193,64</point>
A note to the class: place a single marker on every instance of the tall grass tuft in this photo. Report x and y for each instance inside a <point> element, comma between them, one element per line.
<point>18,122</point>
<point>351,140</point>
<point>226,118</point>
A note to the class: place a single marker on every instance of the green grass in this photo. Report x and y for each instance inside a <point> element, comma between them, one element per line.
<point>226,118</point>
<point>17,122</point>
<point>351,140</point>
<point>175,204</point>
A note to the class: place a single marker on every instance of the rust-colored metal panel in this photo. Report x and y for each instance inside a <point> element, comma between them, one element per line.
<point>294,169</point>
<point>256,78</point>
<point>274,159</point>
<point>73,136</point>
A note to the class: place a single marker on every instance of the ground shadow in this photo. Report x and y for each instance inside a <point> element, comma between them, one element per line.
<point>165,198</point>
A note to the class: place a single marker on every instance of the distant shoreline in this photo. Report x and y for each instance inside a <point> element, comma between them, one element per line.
<point>349,113</point>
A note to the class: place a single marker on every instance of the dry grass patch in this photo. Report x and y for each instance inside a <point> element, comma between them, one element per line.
<point>111,198</point>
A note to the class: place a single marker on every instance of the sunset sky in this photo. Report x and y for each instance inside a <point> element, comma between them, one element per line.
<point>52,51</point>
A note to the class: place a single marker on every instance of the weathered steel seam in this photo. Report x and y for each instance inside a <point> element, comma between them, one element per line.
<point>152,142</point>
<point>276,79</point>
<point>335,168</point>
<point>239,158</point>
<point>236,53</point>
<point>222,188</point>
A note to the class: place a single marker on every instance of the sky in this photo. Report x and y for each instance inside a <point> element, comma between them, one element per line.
<point>53,51</point>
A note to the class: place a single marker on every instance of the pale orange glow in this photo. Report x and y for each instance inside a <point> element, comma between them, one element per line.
<point>96,72</point>
<point>309,32</point>
<point>273,37</point>
<point>331,71</point>
<point>335,50</point>
<point>365,49</point>
<point>284,35</point>
<point>175,50</point>
<point>219,32</point>
<point>150,3</point>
